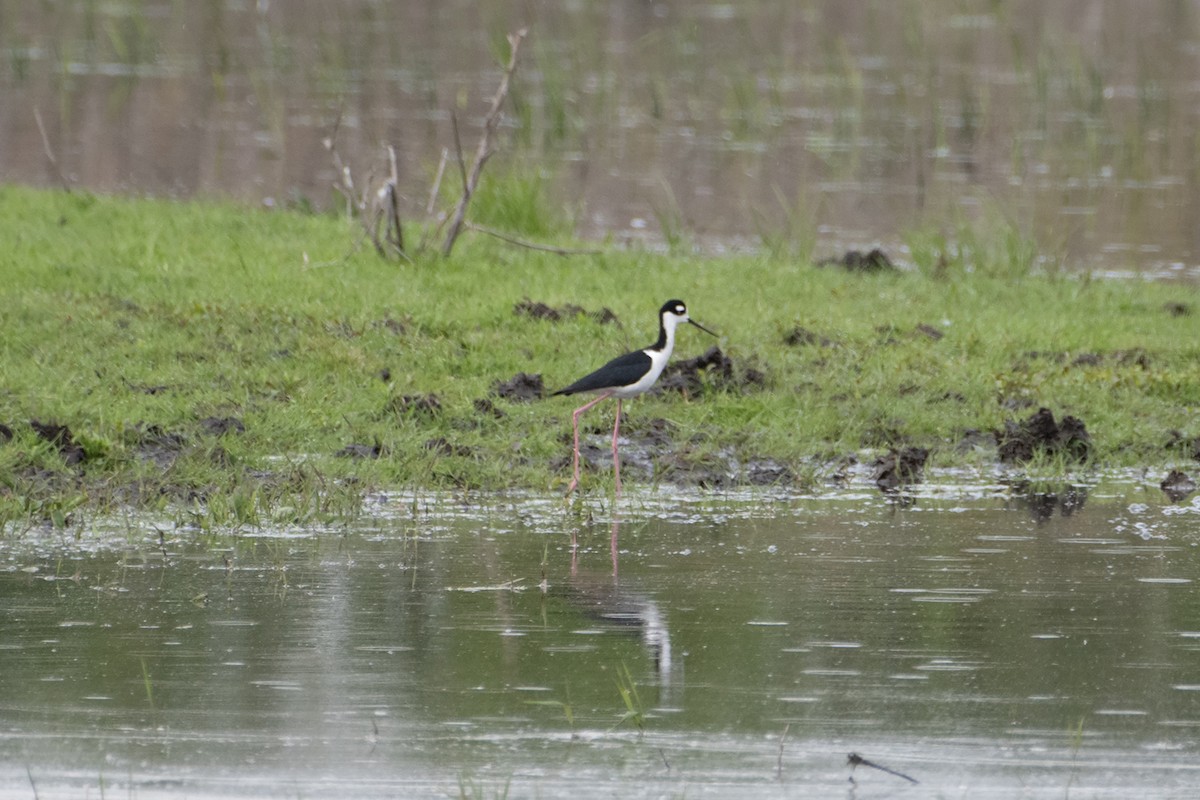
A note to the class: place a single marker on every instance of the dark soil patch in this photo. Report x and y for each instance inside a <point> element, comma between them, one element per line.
<point>1040,433</point>
<point>1177,485</point>
<point>153,443</point>
<point>768,472</point>
<point>900,468</point>
<point>803,337</point>
<point>1177,309</point>
<point>219,426</point>
<point>487,408</point>
<point>63,440</point>
<point>653,432</point>
<point>539,310</point>
<point>521,388</point>
<point>930,332</point>
<point>686,469</point>
<point>6,434</point>
<point>855,261</point>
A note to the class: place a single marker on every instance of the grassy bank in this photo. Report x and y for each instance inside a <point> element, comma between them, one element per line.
<point>216,358</point>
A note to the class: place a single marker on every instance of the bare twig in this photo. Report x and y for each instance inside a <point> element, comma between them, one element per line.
<point>779,760</point>
<point>346,186</point>
<point>37,117</point>
<point>395,234</point>
<point>32,785</point>
<point>458,154</point>
<point>484,150</point>
<point>431,206</point>
<point>562,251</point>
<point>854,760</point>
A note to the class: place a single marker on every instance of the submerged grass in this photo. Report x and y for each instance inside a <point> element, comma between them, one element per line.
<point>218,359</point>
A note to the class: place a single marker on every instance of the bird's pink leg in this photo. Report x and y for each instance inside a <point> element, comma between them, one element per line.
<point>575,426</point>
<point>616,457</point>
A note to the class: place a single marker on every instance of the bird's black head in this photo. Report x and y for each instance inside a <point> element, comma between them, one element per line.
<point>675,307</point>
<point>674,312</point>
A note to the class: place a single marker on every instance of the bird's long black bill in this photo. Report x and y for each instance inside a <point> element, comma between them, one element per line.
<point>701,327</point>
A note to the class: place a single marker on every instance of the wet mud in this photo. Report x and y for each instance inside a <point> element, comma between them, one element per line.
<point>1041,434</point>
<point>62,439</point>
<point>1177,485</point>
<point>714,370</point>
<point>520,388</point>
<point>900,468</point>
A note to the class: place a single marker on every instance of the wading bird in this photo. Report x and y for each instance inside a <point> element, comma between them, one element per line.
<point>628,376</point>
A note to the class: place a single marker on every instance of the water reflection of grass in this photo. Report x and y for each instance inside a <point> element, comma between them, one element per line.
<point>212,362</point>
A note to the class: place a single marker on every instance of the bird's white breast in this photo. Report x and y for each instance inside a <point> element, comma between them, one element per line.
<point>658,360</point>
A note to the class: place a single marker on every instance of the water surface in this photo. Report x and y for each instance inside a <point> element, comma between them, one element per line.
<point>729,124</point>
<point>987,645</point>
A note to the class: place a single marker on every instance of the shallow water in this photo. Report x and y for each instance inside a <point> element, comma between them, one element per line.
<point>724,124</point>
<point>985,644</point>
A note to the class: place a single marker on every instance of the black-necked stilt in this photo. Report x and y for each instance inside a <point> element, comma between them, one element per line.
<point>627,376</point>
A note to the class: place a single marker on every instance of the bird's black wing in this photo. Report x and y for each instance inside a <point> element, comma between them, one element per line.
<point>621,371</point>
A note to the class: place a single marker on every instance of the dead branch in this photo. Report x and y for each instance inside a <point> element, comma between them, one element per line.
<point>431,206</point>
<point>378,212</point>
<point>484,150</point>
<point>561,251</point>
<point>395,234</point>
<point>37,117</point>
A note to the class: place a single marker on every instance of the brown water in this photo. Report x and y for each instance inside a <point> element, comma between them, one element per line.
<point>984,643</point>
<point>824,124</point>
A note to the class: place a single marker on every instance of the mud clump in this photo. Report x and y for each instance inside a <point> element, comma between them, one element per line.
<point>1040,433</point>
<point>855,261</point>
<point>63,440</point>
<point>521,388</point>
<point>900,468</point>
<point>6,434</point>
<point>1177,485</point>
<point>539,310</point>
<point>687,376</point>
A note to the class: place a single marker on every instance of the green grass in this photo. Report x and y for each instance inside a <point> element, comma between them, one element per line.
<point>132,320</point>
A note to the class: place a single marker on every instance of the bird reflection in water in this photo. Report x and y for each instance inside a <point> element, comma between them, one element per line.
<point>603,599</point>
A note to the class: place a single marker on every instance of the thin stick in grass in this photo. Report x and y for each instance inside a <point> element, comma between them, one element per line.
<point>484,150</point>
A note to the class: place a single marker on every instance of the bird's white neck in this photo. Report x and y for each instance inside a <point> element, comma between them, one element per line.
<point>666,334</point>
